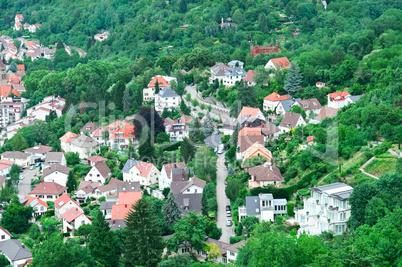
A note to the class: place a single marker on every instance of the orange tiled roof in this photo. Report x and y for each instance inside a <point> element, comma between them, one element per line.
<point>162,82</point>
<point>6,90</point>
<point>72,214</point>
<point>68,137</point>
<point>119,211</point>
<point>249,76</point>
<point>30,199</point>
<point>129,197</point>
<point>248,131</point>
<point>144,168</point>
<point>63,199</point>
<point>21,67</point>
<point>338,96</point>
<point>277,97</point>
<point>249,111</point>
<point>282,62</point>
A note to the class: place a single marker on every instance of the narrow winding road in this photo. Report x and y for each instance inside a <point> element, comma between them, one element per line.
<point>222,200</point>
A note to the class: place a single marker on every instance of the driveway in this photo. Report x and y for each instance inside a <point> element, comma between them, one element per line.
<point>24,186</point>
<point>222,200</point>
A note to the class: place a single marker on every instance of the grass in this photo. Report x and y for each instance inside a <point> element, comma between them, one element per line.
<point>380,166</point>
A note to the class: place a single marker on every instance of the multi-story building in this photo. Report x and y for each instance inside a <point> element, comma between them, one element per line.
<point>327,209</point>
<point>166,98</point>
<point>234,75</point>
<point>264,207</point>
<point>148,94</point>
<point>11,109</point>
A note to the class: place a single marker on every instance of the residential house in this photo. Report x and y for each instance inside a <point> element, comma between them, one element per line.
<point>48,191</point>
<point>148,93</point>
<point>53,158</point>
<point>66,140</point>
<point>166,98</point>
<point>327,209</point>
<point>233,250</point>
<point>89,128</point>
<point>326,112</point>
<point>120,134</point>
<point>98,173</point>
<point>337,99</point>
<point>236,63</point>
<point>257,150</point>
<point>106,208</point>
<point>268,49</point>
<point>43,109</point>
<point>22,159</point>
<point>40,207</point>
<point>264,175</point>
<point>214,141</point>
<point>102,36</point>
<point>245,142</point>
<point>92,160</point>
<point>109,190</point>
<point>264,207</point>
<point>84,146</point>
<point>234,75</point>
<point>165,178</point>
<point>320,84</point>
<point>56,173</point>
<point>229,126</point>
<point>11,108</point>
<point>5,167</point>
<point>310,141</point>
<point>284,106</point>
<point>138,171</point>
<point>352,99</point>
<point>38,153</point>
<point>278,63</point>
<point>218,72</point>
<point>33,27</point>
<point>3,180</point>
<point>19,18</point>
<point>250,78</point>
<point>63,204</point>
<point>85,190</point>
<point>177,131</point>
<point>73,219</point>
<point>310,105</point>
<point>270,132</point>
<point>188,194</point>
<point>122,208</point>
<point>5,234</point>
<point>15,252</point>
<point>290,121</point>
<point>250,117</point>
<point>271,101</point>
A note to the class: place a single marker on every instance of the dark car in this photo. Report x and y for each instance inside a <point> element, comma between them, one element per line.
<point>227,207</point>
<point>191,84</point>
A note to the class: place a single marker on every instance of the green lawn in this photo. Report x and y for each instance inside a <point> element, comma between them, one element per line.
<point>380,166</point>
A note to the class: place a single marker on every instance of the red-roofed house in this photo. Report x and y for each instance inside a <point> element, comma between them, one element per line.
<point>337,99</point>
<point>64,203</point>
<point>320,84</point>
<point>39,206</point>
<point>250,78</point>
<point>98,173</point>
<point>18,18</point>
<point>120,134</point>
<point>92,160</point>
<point>129,198</point>
<point>66,140</point>
<point>4,234</point>
<point>310,140</point>
<point>251,117</point>
<point>271,101</point>
<point>48,191</point>
<point>7,90</point>
<point>73,219</point>
<point>278,63</point>
<point>18,26</point>
<point>119,211</point>
<point>148,94</point>
<point>138,171</point>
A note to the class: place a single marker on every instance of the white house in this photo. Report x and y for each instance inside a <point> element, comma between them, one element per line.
<point>291,121</point>
<point>278,63</point>
<point>285,106</point>
<point>233,250</point>
<point>5,167</point>
<point>234,75</point>
<point>166,98</point>
<point>264,175</point>
<point>38,152</point>
<point>56,173</point>
<point>15,252</point>
<point>264,207</point>
<point>218,72</point>
<point>236,63</point>
<point>271,101</point>
<point>17,157</point>
<point>63,204</point>
<point>84,146</point>
<point>54,158</point>
<point>250,78</point>
<point>86,190</point>
<point>40,207</point>
<point>138,171</point>
<point>4,234</point>
<point>309,105</point>
<point>148,94</point>
<point>48,191</point>
<point>98,173</point>
<point>66,140</point>
<point>165,178</point>
<point>109,190</point>
<point>19,18</point>
<point>327,209</point>
<point>320,84</point>
<point>352,99</point>
<point>337,99</point>
<point>73,219</point>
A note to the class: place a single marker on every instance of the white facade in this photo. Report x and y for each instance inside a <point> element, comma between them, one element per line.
<point>95,176</point>
<point>57,177</point>
<point>234,75</point>
<point>166,98</point>
<point>264,207</point>
<point>285,128</point>
<point>76,223</point>
<point>164,180</point>
<point>177,132</point>
<point>144,173</point>
<point>327,209</point>
<point>4,235</point>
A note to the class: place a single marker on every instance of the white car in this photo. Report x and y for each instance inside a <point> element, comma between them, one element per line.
<point>32,167</point>
<point>22,177</point>
<point>228,222</point>
<point>228,213</point>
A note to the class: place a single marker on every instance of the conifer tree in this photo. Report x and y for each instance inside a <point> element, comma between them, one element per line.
<point>144,243</point>
<point>71,182</point>
<point>233,140</point>
<point>171,211</point>
<point>187,150</point>
<point>156,87</point>
<point>230,171</point>
<point>208,126</point>
<point>103,243</point>
<point>294,79</point>
<point>196,134</point>
<point>204,203</point>
<point>126,100</point>
<point>118,94</point>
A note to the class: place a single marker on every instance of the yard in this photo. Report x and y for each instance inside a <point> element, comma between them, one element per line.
<point>379,166</point>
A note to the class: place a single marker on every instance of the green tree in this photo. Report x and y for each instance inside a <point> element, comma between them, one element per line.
<point>196,133</point>
<point>71,182</point>
<point>118,94</point>
<point>358,200</point>
<point>204,204</point>
<point>189,230</point>
<point>72,158</point>
<point>230,171</point>
<point>233,188</point>
<point>126,100</point>
<point>213,231</point>
<point>183,107</point>
<point>205,163</point>
<point>60,45</point>
<point>156,87</point>
<point>297,109</point>
<point>144,244</point>
<point>208,127</point>
<point>15,173</point>
<point>103,244</point>
<point>18,143</point>
<point>181,260</point>
<point>171,211</point>
<point>187,150</point>
<point>146,148</point>
<point>4,261</point>
<point>246,95</point>
<point>294,79</point>
<point>15,218</point>
<point>162,138</point>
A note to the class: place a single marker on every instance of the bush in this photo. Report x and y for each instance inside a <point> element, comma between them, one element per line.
<point>235,239</point>
<point>290,206</point>
<point>66,234</point>
<point>49,213</point>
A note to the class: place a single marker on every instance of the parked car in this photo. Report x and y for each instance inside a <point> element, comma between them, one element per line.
<point>32,167</point>
<point>227,207</point>
<point>22,177</point>
<point>228,213</point>
<point>228,222</point>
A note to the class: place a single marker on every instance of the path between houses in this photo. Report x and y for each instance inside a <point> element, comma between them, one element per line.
<point>366,173</point>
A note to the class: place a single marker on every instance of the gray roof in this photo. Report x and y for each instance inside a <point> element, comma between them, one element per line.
<point>128,187</point>
<point>15,250</point>
<point>84,141</point>
<point>193,201</point>
<point>181,174</point>
<point>15,155</point>
<point>287,104</point>
<point>167,92</point>
<point>253,205</point>
<point>57,167</point>
<point>129,164</point>
<point>355,98</point>
<point>116,224</point>
<point>54,157</point>
<point>236,71</point>
<point>233,63</point>
<point>266,196</point>
<point>106,205</point>
<point>214,140</point>
<point>339,191</point>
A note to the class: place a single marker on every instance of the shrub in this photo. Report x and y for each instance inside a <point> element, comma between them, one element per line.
<point>235,239</point>
<point>49,213</point>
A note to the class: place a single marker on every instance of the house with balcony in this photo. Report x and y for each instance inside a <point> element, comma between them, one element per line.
<point>100,172</point>
<point>84,146</point>
<point>166,98</point>
<point>271,101</point>
<point>234,75</point>
<point>138,171</point>
<point>327,209</point>
<point>264,207</point>
<point>337,99</point>
<point>166,177</point>
<point>218,72</point>
<point>85,190</point>
<point>148,94</point>
<point>73,219</point>
<point>264,175</point>
<point>48,191</point>
<point>63,204</point>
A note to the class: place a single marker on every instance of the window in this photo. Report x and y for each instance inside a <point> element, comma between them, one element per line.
<point>48,196</point>
<point>97,175</point>
<point>195,190</point>
<point>82,222</point>
<point>232,253</point>
<point>188,190</point>
<point>3,237</point>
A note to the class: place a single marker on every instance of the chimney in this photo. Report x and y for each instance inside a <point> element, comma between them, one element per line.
<point>270,168</point>
<point>76,209</point>
<point>125,205</point>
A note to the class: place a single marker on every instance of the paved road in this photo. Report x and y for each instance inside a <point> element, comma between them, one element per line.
<point>24,187</point>
<point>222,200</point>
